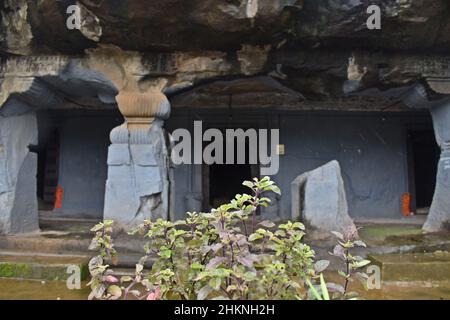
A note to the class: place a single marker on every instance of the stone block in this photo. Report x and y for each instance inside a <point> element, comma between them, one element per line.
<point>24,213</point>
<point>18,203</point>
<point>319,200</point>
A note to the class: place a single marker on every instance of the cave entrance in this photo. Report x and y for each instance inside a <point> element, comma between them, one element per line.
<point>72,162</point>
<point>225,181</point>
<point>48,169</point>
<point>221,182</point>
<point>423,155</point>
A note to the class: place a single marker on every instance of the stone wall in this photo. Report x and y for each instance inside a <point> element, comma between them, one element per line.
<point>18,202</point>
<point>84,141</point>
<point>370,147</point>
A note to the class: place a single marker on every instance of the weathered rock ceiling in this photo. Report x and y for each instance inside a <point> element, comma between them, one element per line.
<point>225,24</point>
<point>320,50</point>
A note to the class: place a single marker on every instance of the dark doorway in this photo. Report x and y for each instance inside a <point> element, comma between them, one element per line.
<point>72,161</point>
<point>221,182</point>
<point>48,169</point>
<point>225,181</point>
<point>424,156</point>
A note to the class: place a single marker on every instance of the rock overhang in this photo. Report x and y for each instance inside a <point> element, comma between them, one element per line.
<point>174,25</point>
<point>319,49</point>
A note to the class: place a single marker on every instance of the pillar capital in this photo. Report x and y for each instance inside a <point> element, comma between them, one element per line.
<point>141,108</point>
<point>138,180</point>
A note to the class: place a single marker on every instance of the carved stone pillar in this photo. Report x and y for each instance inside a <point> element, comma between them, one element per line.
<point>439,216</point>
<point>138,172</point>
<point>18,202</point>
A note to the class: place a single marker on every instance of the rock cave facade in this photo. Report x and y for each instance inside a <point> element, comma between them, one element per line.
<point>86,114</point>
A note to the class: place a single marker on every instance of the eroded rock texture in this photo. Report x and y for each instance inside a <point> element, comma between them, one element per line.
<point>138,174</point>
<point>313,47</point>
<point>319,199</point>
<point>294,54</point>
<point>15,30</point>
<point>18,203</point>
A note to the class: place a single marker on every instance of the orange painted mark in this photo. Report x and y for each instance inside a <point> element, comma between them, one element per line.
<point>406,205</point>
<point>58,197</point>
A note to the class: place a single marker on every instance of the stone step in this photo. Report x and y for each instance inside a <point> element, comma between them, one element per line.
<point>38,266</point>
<point>120,272</point>
<point>53,243</point>
<point>414,266</point>
<point>61,242</point>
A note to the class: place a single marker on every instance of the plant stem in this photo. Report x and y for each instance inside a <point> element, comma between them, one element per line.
<point>347,265</point>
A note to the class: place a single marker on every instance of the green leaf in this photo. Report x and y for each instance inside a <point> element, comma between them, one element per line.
<point>135,293</point>
<point>362,277</point>
<point>247,260</point>
<point>248,184</point>
<point>250,276</point>
<point>323,287</point>
<point>179,233</point>
<point>339,235</point>
<point>97,227</point>
<point>342,274</point>
<point>231,288</point>
<point>313,290</point>
<point>298,225</point>
<point>360,264</point>
<point>335,288</point>
<point>203,293</point>
<point>126,279</point>
<point>347,245</point>
<point>276,190</point>
<point>285,226</point>
<point>196,266</point>
<point>267,224</point>
<point>264,199</point>
<point>165,253</point>
<point>360,243</point>
<point>254,237</point>
<point>215,283</point>
<point>215,262</point>
<point>115,292</point>
<point>139,268</point>
<point>280,233</point>
<point>321,265</point>
<point>201,276</point>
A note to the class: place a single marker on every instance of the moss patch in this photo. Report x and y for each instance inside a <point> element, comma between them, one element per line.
<point>383,232</point>
<point>414,266</point>
<point>39,271</point>
<point>15,270</point>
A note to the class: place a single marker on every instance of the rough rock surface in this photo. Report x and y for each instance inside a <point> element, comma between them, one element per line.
<point>439,215</point>
<point>311,46</point>
<point>15,31</point>
<point>319,200</point>
<point>222,25</point>
<point>18,202</point>
<point>298,54</point>
<point>137,185</point>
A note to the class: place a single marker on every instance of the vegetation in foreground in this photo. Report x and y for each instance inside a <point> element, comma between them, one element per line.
<point>224,254</point>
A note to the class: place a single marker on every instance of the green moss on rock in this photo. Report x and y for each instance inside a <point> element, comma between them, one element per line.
<point>15,270</point>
